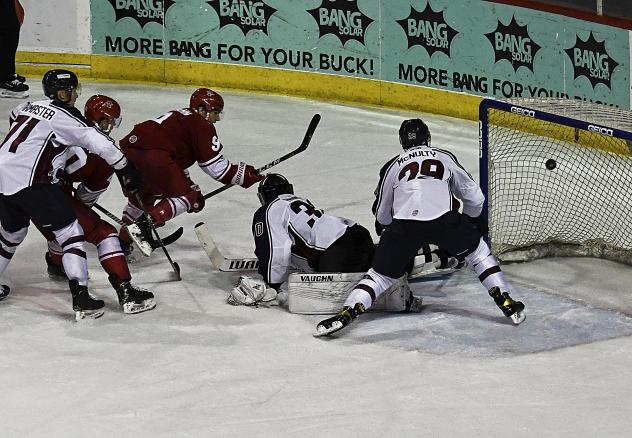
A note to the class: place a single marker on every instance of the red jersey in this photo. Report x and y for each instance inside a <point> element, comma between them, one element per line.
<point>184,134</point>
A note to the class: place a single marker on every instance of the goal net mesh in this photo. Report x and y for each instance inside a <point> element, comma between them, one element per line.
<point>556,188</point>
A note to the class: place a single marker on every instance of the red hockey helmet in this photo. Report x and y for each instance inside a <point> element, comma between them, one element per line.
<point>100,108</point>
<point>208,99</point>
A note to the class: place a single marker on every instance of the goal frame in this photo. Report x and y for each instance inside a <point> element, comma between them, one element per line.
<point>484,168</point>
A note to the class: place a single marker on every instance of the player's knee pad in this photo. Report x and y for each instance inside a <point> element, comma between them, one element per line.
<point>70,235</point>
<point>479,255</point>
<point>100,232</point>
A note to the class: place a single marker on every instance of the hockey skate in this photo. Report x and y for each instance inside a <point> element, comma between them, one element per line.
<point>132,298</point>
<point>84,305</point>
<point>14,88</point>
<point>4,291</point>
<point>140,233</point>
<point>55,272</point>
<point>512,309</point>
<point>413,304</point>
<point>339,321</point>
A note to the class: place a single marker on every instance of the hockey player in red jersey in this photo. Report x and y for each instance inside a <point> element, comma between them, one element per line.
<point>163,148</point>
<point>93,175</point>
<point>32,156</point>
<point>416,203</point>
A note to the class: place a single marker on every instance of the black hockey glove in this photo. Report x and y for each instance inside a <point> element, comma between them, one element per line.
<point>379,228</point>
<point>479,222</point>
<point>130,178</point>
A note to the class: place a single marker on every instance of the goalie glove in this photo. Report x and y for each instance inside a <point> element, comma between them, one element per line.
<point>250,292</point>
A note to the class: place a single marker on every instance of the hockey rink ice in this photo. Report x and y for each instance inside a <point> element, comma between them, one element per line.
<point>198,367</point>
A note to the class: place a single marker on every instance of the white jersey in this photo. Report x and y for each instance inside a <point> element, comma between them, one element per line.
<point>290,229</point>
<point>422,183</point>
<point>35,149</point>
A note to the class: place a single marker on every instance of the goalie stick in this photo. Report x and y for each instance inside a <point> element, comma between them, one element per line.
<point>306,139</point>
<point>243,264</point>
<point>217,258</point>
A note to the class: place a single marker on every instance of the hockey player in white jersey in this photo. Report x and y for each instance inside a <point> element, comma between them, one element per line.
<point>290,232</point>
<point>31,157</point>
<point>416,202</point>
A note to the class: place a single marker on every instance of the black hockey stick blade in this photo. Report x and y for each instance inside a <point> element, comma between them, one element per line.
<point>168,240</point>
<point>306,140</point>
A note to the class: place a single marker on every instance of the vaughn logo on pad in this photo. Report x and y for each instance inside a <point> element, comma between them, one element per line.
<point>314,278</point>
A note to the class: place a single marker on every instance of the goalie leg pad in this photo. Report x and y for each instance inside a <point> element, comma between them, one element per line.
<point>251,292</point>
<point>325,293</point>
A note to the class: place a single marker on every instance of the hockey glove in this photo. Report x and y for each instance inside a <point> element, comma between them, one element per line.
<point>250,292</point>
<point>130,178</point>
<point>195,198</point>
<point>251,176</point>
<point>479,222</point>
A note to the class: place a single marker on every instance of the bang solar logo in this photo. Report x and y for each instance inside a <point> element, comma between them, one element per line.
<point>141,11</point>
<point>341,18</point>
<point>591,60</point>
<point>247,15</point>
<point>429,30</point>
<point>513,43</point>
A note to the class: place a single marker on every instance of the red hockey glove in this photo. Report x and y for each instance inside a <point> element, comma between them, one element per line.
<point>251,176</point>
<point>196,200</point>
<point>246,175</point>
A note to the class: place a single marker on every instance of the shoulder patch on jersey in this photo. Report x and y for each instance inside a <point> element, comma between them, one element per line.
<point>258,229</point>
<point>133,139</point>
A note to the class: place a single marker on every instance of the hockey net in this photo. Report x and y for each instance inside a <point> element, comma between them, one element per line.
<point>557,177</point>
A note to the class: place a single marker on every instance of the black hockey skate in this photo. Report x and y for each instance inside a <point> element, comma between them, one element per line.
<point>4,291</point>
<point>512,309</point>
<point>55,272</point>
<point>84,305</point>
<point>132,298</point>
<point>14,88</point>
<point>339,321</point>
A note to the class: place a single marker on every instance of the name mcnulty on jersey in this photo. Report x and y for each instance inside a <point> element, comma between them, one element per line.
<point>416,153</point>
<point>38,110</point>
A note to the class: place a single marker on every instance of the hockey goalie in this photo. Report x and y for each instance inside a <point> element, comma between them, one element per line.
<point>291,234</point>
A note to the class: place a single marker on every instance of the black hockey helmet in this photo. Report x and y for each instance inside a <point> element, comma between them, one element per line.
<point>272,186</point>
<point>414,132</point>
<point>57,80</point>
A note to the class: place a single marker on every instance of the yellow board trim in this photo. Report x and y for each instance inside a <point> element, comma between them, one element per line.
<point>260,79</point>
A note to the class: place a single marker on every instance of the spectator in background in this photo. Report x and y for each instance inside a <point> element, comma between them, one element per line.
<point>11,18</point>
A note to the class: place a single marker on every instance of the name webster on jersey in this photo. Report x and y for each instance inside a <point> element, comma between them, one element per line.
<point>415,154</point>
<point>41,111</point>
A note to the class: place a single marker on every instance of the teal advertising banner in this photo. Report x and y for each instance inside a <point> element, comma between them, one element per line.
<point>472,46</point>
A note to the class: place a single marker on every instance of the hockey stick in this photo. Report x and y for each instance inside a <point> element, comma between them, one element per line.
<point>174,265</point>
<point>306,139</point>
<point>217,258</point>
<point>166,241</point>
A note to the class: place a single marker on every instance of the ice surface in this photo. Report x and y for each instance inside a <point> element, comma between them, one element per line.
<point>197,367</point>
